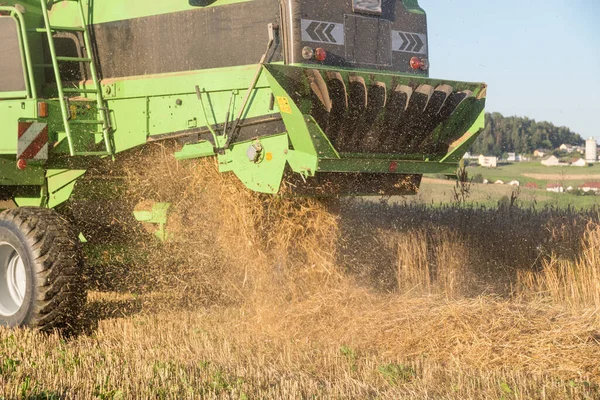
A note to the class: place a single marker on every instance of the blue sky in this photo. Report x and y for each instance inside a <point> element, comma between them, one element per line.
<point>541,59</point>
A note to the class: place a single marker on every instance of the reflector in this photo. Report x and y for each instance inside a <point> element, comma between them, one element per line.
<point>415,63</point>
<point>307,53</point>
<point>21,164</point>
<point>42,109</point>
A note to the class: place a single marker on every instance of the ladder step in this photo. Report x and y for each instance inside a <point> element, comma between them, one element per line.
<point>77,90</point>
<point>67,28</point>
<point>56,29</point>
<point>85,122</point>
<point>73,59</point>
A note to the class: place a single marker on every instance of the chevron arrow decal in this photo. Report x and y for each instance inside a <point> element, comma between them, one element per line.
<point>330,28</point>
<point>409,42</point>
<point>322,32</point>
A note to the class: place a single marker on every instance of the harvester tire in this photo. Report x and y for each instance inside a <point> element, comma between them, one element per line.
<point>41,282</point>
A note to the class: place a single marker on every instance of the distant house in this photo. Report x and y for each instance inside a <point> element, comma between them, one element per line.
<point>579,163</point>
<point>579,149</point>
<point>540,153</point>
<point>590,187</point>
<point>555,187</point>
<point>552,161</point>
<point>490,162</point>
<point>570,188</point>
<point>567,147</point>
<point>499,182</point>
<point>514,183</point>
<point>532,185</point>
<point>512,157</point>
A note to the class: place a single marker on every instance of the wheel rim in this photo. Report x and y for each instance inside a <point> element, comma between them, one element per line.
<point>13,280</point>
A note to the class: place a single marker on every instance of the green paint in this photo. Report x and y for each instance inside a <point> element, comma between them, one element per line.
<point>265,172</point>
<point>157,215</point>
<point>294,120</point>
<point>65,13</point>
<point>201,149</point>
<point>463,144</point>
<point>302,163</point>
<point>10,175</point>
<point>60,183</point>
<point>413,6</point>
<point>30,201</point>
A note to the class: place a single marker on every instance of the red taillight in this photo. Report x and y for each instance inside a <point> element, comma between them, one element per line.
<point>21,164</point>
<point>415,63</point>
<point>419,63</point>
<point>320,54</point>
<point>42,109</point>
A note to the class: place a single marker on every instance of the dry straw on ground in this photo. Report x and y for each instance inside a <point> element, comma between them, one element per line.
<point>273,297</point>
<point>575,283</point>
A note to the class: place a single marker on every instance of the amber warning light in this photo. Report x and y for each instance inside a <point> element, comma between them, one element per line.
<point>42,109</point>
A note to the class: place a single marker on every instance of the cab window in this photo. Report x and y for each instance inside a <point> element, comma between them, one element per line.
<point>12,79</point>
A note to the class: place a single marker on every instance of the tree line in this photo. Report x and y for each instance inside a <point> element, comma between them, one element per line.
<point>521,135</point>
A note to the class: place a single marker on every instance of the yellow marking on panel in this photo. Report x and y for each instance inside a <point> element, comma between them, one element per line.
<point>284,105</point>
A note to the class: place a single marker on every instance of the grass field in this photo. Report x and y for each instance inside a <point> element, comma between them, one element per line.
<point>268,297</point>
<point>437,192</point>
<point>535,172</point>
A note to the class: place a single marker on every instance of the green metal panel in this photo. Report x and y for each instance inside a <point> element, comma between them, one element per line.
<point>157,215</point>
<point>460,147</point>
<point>155,105</point>
<point>196,150</point>
<point>291,114</point>
<point>61,183</point>
<point>65,13</point>
<point>39,201</point>
<point>130,122</point>
<point>10,175</point>
<point>263,175</point>
<point>13,95</point>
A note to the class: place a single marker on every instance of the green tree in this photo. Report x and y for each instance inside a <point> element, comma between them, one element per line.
<point>520,135</point>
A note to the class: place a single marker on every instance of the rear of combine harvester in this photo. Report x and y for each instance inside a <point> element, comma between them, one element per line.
<point>327,97</point>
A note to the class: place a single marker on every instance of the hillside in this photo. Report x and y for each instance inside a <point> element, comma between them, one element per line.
<point>521,135</point>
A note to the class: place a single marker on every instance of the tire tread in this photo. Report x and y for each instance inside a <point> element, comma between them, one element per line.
<point>60,294</point>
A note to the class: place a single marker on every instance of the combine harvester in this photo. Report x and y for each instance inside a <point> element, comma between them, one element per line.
<point>328,98</point>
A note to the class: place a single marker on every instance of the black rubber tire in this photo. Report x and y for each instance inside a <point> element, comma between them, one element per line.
<point>55,292</point>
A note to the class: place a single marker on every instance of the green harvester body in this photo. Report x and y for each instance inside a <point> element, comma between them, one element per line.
<point>240,80</point>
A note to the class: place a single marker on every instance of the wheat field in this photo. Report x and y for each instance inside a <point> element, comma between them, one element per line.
<point>257,297</point>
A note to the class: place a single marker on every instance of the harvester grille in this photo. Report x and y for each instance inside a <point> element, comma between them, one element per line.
<point>383,113</point>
